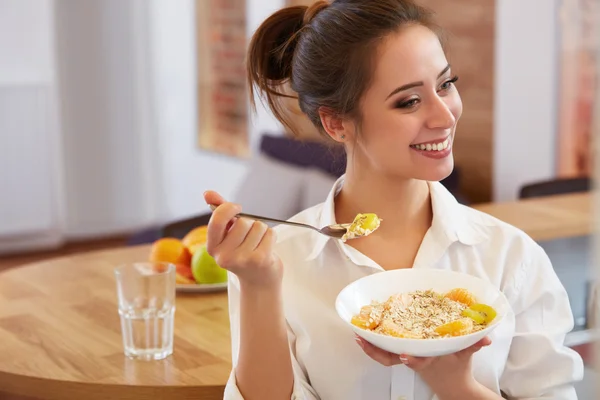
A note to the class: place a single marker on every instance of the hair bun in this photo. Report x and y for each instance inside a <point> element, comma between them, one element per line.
<point>313,10</point>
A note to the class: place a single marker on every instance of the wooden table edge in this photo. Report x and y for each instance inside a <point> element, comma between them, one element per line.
<point>52,389</point>
<point>571,230</point>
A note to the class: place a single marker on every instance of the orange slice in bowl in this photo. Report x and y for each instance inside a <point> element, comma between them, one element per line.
<point>364,319</point>
<point>462,296</point>
<point>390,328</point>
<point>457,327</point>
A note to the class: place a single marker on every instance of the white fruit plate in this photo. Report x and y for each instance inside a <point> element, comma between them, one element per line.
<point>201,287</point>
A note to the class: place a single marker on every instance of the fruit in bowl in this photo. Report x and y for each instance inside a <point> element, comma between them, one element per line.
<point>205,269</point>
<point>172,250</point>
<point>195,238</point>
<point>422,312</point>
<point>193,264</point>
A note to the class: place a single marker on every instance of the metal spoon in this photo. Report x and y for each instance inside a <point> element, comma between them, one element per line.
<point>335,231</point>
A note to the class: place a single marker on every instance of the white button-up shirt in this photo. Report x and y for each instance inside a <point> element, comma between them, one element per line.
<point>526,360</point>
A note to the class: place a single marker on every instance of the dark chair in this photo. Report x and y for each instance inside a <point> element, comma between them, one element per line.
<point>329,159</point>
<point>179,229</point>
<point>555,186</point>
<point>144,236</point>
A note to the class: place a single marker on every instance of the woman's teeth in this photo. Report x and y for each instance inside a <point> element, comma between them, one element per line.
<point>432,146</point>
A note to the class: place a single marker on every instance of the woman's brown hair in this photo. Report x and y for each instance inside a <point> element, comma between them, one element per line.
<point>324,51</point>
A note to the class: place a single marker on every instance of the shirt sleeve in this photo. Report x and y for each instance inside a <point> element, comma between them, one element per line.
<point>301,390</point>
<point>539,365</point>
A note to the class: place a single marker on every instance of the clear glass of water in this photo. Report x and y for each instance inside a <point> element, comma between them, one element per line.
<point>146,293</point>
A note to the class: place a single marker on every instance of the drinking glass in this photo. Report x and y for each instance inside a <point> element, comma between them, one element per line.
<point>146,293</point>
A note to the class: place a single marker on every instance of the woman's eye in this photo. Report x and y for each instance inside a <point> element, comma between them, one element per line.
<point>448,84</point>
<point>407,104</point>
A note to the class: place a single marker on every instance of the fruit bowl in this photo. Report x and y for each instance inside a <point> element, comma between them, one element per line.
<point>380,286</point>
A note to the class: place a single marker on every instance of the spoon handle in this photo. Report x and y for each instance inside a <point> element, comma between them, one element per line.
<point>267,219</point>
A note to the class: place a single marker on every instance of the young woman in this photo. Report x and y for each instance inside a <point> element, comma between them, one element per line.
<point>373,77</point>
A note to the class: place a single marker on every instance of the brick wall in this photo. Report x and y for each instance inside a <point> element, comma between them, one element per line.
<point>470,26</point>
<point>222,82</point>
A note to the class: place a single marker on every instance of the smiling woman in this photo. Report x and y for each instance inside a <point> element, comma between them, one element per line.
<point>373,77</point>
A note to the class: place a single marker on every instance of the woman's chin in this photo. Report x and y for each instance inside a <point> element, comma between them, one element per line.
<point>437,171</point>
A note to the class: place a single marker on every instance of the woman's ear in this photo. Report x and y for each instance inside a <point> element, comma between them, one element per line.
<point>334,125</point>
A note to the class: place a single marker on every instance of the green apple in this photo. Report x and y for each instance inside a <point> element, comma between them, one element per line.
<point>205,269</point>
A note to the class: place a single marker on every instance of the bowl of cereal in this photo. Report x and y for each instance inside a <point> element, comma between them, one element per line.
<point>422,312</point>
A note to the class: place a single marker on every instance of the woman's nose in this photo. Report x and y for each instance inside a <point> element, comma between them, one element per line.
<point>440,116</point>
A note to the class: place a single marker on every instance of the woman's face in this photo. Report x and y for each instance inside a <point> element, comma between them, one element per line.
<point>410,111</point>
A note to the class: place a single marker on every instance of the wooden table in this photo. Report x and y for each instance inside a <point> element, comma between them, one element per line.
<point>60,336</point>
<point>547,218</point>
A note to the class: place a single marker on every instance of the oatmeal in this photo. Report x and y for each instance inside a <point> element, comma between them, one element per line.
<point>425,315</point>
<point>363,225</point>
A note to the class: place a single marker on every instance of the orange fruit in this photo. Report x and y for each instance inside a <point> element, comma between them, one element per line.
<point>364,320</point>
<point>458,327</point>
<point>195,238</point>
<point>462,296</point>
<point>183,274</point>
<point>170,250</point>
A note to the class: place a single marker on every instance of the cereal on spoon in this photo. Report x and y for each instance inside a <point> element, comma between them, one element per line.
<point>363,225</point>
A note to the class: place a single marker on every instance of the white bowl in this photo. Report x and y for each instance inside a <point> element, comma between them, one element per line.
<point>380,286</point>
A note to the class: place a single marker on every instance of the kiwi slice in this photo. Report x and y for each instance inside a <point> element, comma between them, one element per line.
<point>481,314</point>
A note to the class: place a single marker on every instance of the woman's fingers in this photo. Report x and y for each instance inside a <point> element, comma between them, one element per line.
<point>469,351</point>
<point>416,363</point>
<point>214,198</point>
<point>241,245</point>
<point>255,236</point>
<point>267,242</point>
<point>219,223</point>
<point>236,235</point>
<point>381,356</point>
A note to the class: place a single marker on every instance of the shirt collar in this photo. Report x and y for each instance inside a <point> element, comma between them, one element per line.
<point>450,222</point>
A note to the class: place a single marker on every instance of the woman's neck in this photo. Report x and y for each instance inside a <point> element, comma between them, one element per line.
<point>403,205</point>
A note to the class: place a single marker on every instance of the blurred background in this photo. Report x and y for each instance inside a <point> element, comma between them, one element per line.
<point>116,116</point>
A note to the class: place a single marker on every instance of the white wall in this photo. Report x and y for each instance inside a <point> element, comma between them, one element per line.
<point>111,157</point>
<point>31,194</point>
<point>526,85</point>
<point>26,42</point>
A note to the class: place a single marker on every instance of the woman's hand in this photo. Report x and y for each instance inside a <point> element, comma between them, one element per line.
<point>448,376</point>
<point>242,246</point>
